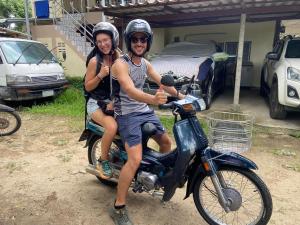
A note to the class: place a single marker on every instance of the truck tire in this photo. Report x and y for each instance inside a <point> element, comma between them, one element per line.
<point>277,111</point>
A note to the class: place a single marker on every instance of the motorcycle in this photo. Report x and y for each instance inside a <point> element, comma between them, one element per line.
<point>10,121</point>
<point>224,186</point>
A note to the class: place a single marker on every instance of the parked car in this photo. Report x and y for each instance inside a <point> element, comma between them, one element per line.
<point>186,59</point>
<point>28,70</point>
<point>280,77</point>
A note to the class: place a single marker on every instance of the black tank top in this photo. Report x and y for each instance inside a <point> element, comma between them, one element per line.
<point>102,91</point>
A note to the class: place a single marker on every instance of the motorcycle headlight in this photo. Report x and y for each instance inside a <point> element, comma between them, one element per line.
<point>61,76</point>
<point>15,79</point>
<point>293,74</point>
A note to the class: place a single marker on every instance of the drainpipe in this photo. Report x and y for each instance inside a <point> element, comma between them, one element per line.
<point>27,20</point>
<point>239,63</point>
<point>103,17</point>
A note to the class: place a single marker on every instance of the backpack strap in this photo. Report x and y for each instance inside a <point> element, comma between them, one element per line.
<point>98,65</point>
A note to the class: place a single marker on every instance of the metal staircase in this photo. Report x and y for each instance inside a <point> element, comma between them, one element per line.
<point>74,26</point>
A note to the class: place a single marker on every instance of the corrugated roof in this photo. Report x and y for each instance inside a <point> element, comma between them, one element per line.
<point>184,12</point>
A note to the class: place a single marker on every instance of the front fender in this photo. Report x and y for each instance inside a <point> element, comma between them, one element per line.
<point>6,108</point>
<point>231,159</point>
<point>219,160</point>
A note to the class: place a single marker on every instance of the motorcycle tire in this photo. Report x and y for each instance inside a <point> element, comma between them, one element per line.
<point>94,144</point>
<point>221,217</point>
<point>10,122</point>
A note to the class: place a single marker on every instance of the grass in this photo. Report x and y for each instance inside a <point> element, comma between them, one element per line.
<point>70,103</point>
<point>295,134</point>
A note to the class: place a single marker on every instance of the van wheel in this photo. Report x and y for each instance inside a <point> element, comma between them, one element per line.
<point>277,110</point>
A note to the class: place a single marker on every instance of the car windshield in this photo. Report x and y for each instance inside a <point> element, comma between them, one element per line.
<point>189,49</point>
<point>293,49</point>
<point>30,52</point>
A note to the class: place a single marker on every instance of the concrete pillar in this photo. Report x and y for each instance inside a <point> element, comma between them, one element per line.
<point>239,63</point>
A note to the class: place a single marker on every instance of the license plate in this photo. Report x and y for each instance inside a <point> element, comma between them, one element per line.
<point>48,93</point>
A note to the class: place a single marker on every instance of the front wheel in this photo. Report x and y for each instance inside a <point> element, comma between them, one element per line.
<point>250,199</point>
<point>10,122</point>
<point>277,111</point>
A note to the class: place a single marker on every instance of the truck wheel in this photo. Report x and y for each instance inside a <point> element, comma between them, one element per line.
<point>277,110</point>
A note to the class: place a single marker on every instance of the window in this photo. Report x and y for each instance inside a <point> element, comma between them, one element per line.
<point>231,48</point>
<point>23,52</point>
<point>293,49</point>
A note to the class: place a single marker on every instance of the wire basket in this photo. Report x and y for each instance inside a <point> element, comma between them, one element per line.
<point>230,132</point>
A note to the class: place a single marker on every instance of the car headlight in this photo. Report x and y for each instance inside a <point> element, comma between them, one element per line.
<point>293,74</point>
<point>61,76</point>
<point>16,79</point>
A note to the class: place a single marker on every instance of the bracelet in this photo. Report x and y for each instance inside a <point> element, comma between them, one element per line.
<point>99,77</point>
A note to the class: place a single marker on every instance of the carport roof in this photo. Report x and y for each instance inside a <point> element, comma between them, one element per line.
<point>162,13</point>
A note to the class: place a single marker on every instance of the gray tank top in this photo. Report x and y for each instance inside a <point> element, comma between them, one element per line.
<point>123,104</point>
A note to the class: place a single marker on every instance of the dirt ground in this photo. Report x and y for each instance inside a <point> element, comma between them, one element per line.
<point>43,180</point>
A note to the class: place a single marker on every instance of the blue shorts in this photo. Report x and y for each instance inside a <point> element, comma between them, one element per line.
<point>130,126</point>
<point>91,106</point>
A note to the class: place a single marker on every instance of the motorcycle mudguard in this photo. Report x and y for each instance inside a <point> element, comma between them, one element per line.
<point>219,160</point>
<point>91,131</point>
<point>6,108</point>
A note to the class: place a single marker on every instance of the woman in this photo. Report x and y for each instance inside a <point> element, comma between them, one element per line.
<point>106,39</point>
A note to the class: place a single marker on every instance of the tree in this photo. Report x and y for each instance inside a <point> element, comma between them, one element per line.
<point>14,8</point>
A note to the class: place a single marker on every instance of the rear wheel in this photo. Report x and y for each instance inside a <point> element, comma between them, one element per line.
<point>277,111</point>
<point>250,199</point>
<point>94,153</point>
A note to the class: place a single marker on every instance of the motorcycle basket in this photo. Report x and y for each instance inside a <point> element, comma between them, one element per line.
<point>230,132</point>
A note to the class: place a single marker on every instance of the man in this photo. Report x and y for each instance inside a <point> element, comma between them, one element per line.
<point>131,109</point>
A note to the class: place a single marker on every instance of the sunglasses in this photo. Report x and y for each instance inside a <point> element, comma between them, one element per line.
<point>135,40</point>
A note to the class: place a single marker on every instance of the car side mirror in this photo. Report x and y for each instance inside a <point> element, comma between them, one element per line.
<point>272,56</point>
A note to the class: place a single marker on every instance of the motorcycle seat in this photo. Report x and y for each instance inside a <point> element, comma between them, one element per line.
<point>148,129</point>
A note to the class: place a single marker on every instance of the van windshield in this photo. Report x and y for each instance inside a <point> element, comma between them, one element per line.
<point>293,49</point>
<point>30,52</point>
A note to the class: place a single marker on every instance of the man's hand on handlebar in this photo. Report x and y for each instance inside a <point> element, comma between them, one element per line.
<point>160,97</point>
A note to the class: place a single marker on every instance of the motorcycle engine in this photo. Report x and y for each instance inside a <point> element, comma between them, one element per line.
<point>148,180</point>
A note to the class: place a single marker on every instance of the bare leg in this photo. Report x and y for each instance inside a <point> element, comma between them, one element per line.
<point>110,126</point>
<point>128,171</point>
<point>164,142</point>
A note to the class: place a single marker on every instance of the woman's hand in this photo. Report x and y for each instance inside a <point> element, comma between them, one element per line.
<point>110,106</point>
<point>104,71</point>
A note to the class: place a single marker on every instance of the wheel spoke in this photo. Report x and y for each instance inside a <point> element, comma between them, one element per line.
<point>251,209</point>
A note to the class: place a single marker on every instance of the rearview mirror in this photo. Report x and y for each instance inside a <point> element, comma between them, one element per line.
<point>272,56</point>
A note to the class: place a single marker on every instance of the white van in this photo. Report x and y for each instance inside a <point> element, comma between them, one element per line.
<point>28,70</point>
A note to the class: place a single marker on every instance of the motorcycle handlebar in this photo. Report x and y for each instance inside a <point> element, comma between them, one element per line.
<point>166,106</point>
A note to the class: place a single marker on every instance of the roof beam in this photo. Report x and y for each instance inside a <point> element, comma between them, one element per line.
<point>224,13</point>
